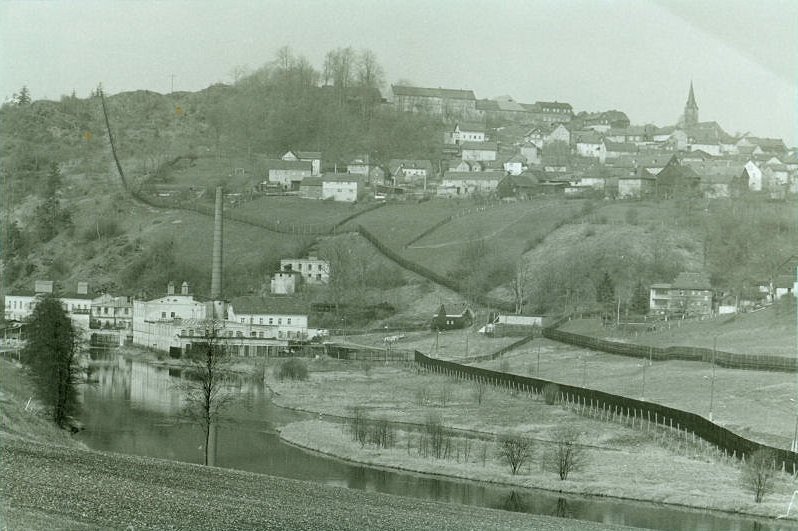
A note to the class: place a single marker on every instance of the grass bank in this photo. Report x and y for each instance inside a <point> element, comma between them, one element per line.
<point>637,463</point>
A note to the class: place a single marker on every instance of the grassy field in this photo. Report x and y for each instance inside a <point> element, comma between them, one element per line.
<point>622,461</point>
<point>756,404</point>
<point>297,211</point>
<point>398,223</point>
<point>768,331</point>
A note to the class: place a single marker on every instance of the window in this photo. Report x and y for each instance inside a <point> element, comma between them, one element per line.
<point>253,334</point>
<point>182,332</point>
<point>288,321</point>
<point>172,314</point>
<point>242,319</point>
<point>163,315</point>
<point>239,334</point>
<point>271,320</point>
<point>260,320</point>
<point>279,320</point>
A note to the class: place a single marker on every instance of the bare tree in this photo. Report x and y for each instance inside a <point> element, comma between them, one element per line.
<point>515,450</point>
<point>520,283</point>
<point>207,394</point>
<point>369,72</point>
<point>566,454</point>
<point>758,473</point>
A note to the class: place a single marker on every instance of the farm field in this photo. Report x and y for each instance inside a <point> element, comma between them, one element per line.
<point>769,331</point>
<point>397,223</point>
<point>756,404</point>
<point>296,211</point>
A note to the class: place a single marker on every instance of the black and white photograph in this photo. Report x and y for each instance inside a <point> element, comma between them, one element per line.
<point>399,264</point>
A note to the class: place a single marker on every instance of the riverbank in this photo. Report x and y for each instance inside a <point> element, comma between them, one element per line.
<point>48,480</point>
<point>639,463</point>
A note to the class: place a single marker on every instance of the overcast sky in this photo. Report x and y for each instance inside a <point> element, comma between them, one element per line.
<point>638,56</point>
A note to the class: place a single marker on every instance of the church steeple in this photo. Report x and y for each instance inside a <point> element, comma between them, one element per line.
<point>690,109</point>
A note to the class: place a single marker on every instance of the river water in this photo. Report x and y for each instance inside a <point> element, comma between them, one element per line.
<point>132,407</point>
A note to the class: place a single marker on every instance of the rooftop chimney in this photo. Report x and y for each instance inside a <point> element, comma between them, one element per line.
<point>170,288</point>
<point>184,289</point>
<point>216,271</point>
<point>83,288</point>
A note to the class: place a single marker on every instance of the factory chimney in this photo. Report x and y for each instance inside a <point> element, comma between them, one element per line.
<point>216,272</point>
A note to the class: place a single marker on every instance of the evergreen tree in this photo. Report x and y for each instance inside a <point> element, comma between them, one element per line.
<point>23,98</point>
<point>605,290</point>
<point>51,354</point>
<point>640,300</point>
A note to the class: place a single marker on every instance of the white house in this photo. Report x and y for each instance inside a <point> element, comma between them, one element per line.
<point>313,157</point>
<point>112,312</point>
<point>463,184</point>
<point>311,269</point>
<point>284,316</point>
<point>558,134</point>
<point>284,282</point>
<point>468,132</point>
<point>589,145</point>
<point>514,165</point>
<point>19,307</point>
<point>340,187</point>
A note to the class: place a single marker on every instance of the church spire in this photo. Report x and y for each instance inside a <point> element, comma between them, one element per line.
<point>690,117</point>
<point>691,104</point>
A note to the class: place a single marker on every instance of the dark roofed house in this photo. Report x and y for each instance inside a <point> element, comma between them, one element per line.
<point>448,103</point>
<point>689,294</point>
<point>677,181</point>
<point>521,186</point>
<point>445,321</point>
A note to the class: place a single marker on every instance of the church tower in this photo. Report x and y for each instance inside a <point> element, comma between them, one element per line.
<point>690,109</point>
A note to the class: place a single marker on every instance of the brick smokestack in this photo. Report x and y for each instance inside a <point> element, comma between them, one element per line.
<point>216,271</point>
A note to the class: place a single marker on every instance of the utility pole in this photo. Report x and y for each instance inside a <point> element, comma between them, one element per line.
<point>712,384</point>
<point>173,83</point>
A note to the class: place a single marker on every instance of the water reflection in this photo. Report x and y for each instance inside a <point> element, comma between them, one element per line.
<point>133,408</point>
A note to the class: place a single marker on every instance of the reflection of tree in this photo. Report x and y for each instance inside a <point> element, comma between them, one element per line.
<point>561,509</point>
<point>515,503</point>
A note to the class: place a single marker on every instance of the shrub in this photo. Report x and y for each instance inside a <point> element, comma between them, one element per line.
<point>565,454</point>
<point>381,433</point>
<point>358,425</point>
<point>515,450</point>
<point>293,369</point>
<point>551,393</point>
<point>758,473</point>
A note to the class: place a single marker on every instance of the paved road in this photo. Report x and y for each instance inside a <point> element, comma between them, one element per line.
<point>44,486</point>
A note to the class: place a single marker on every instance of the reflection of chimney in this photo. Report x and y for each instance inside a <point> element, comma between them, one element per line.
<point>83,288</point>
<point>184,289</point>
<point>216,271</point>
<point>170,288</point>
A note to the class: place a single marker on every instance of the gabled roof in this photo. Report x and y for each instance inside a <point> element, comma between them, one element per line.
<point>487,105</point>
<point>588,138</point>
<point>453,94</point>
<point>471,126</point>
<point>772,145</point>
<point>253,304</point>
<point>507,103</point>
<point>553,104</point>
<point>340,178</point>
<point>523,180</point>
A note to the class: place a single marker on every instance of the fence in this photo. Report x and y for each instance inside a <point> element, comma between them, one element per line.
<point>725,440</point>
<point>722,359</point>
<point>428,273</point>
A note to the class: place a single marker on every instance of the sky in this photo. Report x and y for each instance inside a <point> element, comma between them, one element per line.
<point>638,56</point>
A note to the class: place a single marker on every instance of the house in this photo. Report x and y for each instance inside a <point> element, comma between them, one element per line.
<point>511,325</point>
<point>635,134</point>
<point>340,187</point>
<point>559,134</point>
<point>284,282</point>
<point>464,165</point>
<point>359,166</point>
<point>690,294</point>
<point>312,270</point>
<point>588,144</point>
<point>310,188</point>
<point>108,311</point>
<point>771,146</point>
<point>467,132</point>
<point>314,157</point>
<point>478,150</point>
<point>603,121</point>
<point>537,135</point>
<point>464,184</point>
<point>612,150</point>
<point>286,174</point>
<point>677,181</point>
<point>522,186</point>
<point>276,317</point>
<point>447,103</point>
<point>638,186</point>
<point>514,165</point>
<point>19,306</point>
<point>444,321</point>
<point>414,172</point>
<point>551,112</point>
<point>530,152</point>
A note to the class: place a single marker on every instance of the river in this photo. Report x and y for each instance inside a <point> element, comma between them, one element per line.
<point>132,407</point>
